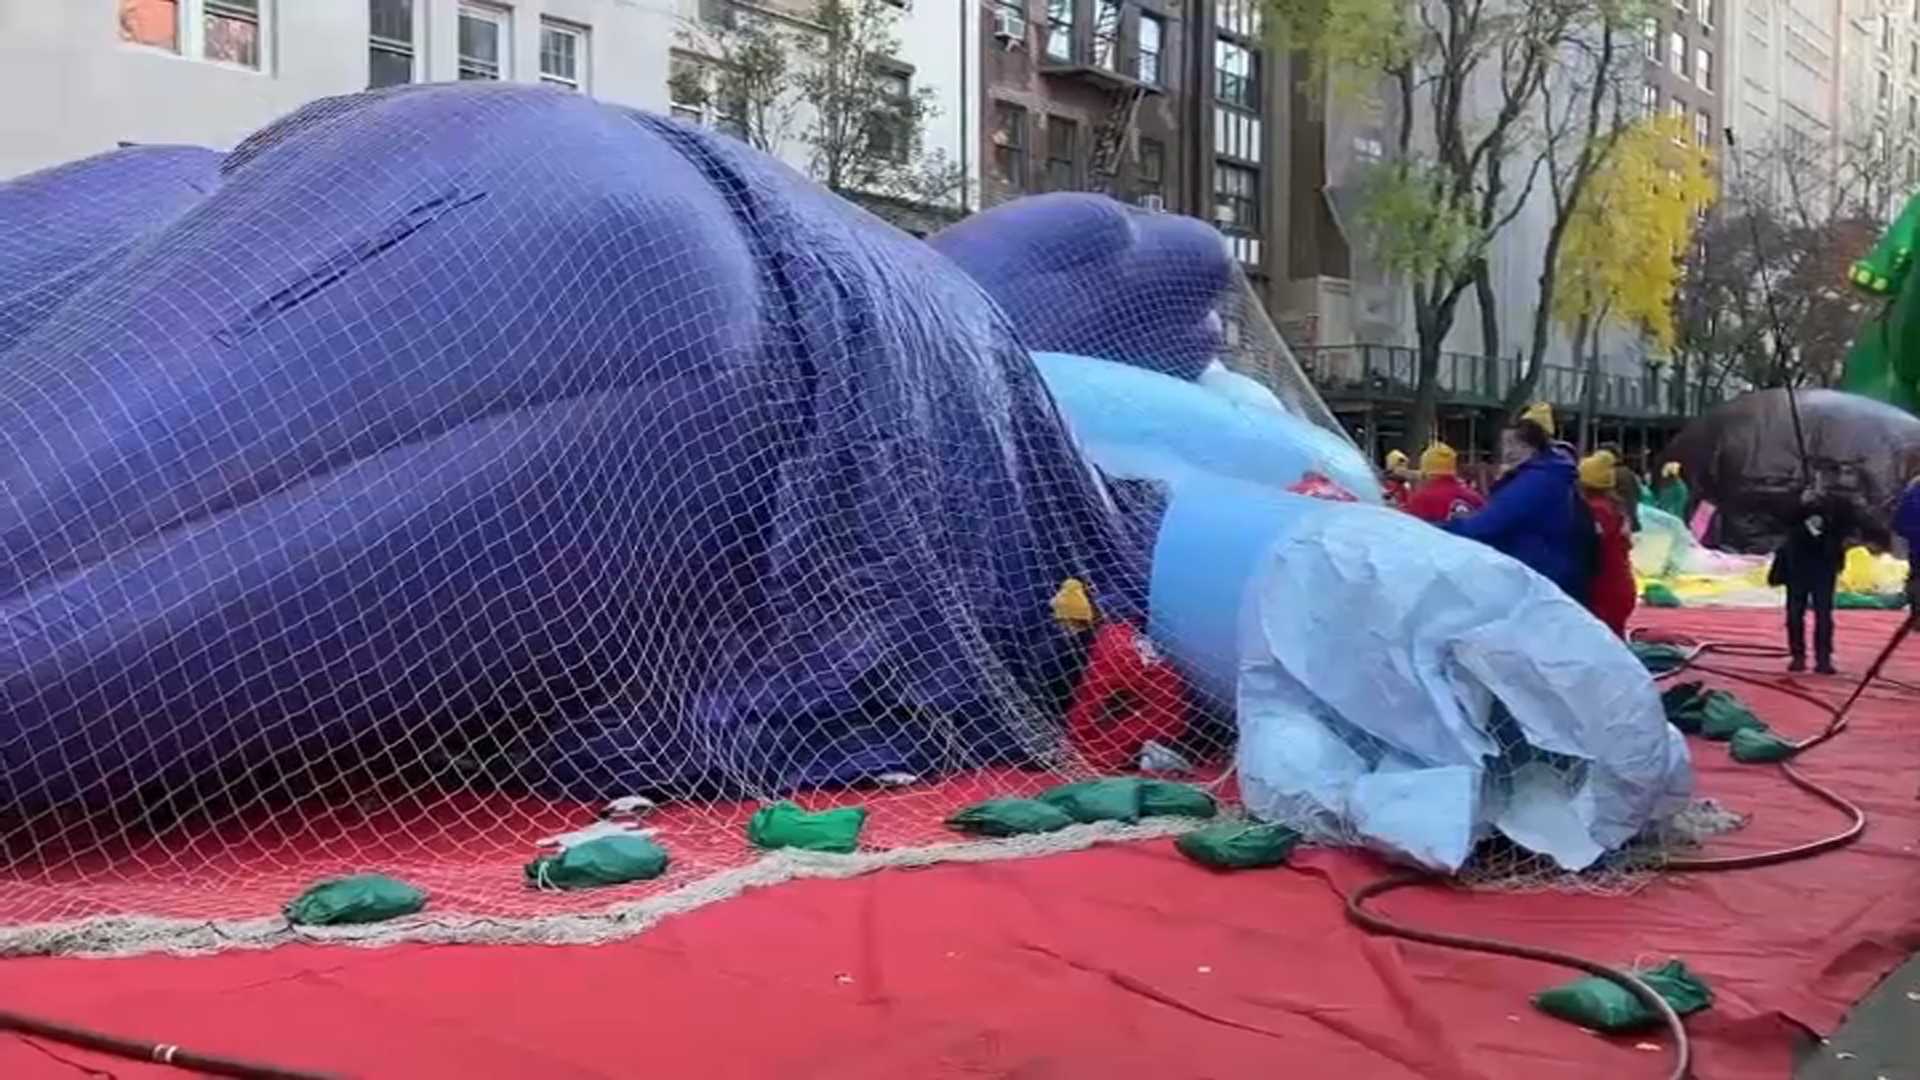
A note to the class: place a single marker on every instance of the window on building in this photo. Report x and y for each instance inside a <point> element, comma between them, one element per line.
<point>1106,34</point>
<point>1060,29</point>
<point>391,58</point>
<point>1010,145</point>
<point>1702,130</point>
<point>1236,198</point>
<point>1886,33</point>
<point>1649,101</point>
<point>1234,82</point>
<point>1706,12</point>
<point>1886,92</point>
<point>699,92</point>
<point>889,127</point>
<point>1650,31</point>
<point>1063,148</point>
<point>563,54</point>
<point>1703,69</point>
<point>1152,176</point>
<point>1677,52</point>
<point>231,31</point>
<point>486,42</point>
<point>1913,112</point>
<point>1913,59</point>
<point>226,31</point>
<point>1147,60</point>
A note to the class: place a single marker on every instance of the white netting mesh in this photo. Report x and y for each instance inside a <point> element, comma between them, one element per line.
<point>447,462</point>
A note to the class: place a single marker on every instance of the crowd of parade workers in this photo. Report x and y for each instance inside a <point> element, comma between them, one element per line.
<point>1572,519</point>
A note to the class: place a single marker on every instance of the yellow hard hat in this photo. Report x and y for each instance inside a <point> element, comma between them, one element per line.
<point>1540,413</point>
<point>1396,460</point>
<point>1670,469</point>
<point>1072,607</point>
<point>1596,471</point>
<point>1439,460</point>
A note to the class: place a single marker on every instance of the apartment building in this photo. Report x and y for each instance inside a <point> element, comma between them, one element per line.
<point>78,77</point>
<point>1166,106</point>
<point>1684,43</point>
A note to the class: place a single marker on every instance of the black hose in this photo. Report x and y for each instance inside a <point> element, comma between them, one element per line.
<point>1358,914</point>
<point>157,1053</point>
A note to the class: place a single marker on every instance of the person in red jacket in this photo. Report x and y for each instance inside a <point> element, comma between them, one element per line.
<point>1396,479</point>
<point>1128,697</point>
<point>1442,495</point>
<point>1613,595</point>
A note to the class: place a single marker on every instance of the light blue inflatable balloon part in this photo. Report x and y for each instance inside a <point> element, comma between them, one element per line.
<point>1365,651</point>
<point>1140,424</point>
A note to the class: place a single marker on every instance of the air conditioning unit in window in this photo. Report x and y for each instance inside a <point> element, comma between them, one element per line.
<point>1155,203</point>
<point>1010,27</point>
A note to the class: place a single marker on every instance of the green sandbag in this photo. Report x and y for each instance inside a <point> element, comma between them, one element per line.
<point>1755,746</point>
<point>1685,705</point>
<point>1604,1005</point>
<point>1722,714</point>
<point>1164,798</point>
<point>1115,799</point>
<point>1659,596</point>
<point>362,898</point>
<point>608,860</point>
<point>1010,817</point>
<point>1853,601</point>
<point>1659,659</point>
<point>1238,845</point>
<point>784,825</point>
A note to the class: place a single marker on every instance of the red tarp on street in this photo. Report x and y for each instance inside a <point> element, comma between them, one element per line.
<point>1124,960</point>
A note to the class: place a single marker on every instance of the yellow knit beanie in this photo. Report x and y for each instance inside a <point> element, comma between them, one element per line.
<point>1439,460</point>
<point>1596,471</point>
<point>1540,413</point>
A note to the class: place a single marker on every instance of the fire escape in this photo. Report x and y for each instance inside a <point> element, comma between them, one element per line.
<point>1066,56</point>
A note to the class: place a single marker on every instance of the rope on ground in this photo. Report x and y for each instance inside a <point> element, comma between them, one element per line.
<point>1358,913</point>
<point>157,1053</point>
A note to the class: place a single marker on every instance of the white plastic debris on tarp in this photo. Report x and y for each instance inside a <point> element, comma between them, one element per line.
<point>1373,650</point>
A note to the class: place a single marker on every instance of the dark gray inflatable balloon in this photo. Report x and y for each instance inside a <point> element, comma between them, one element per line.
<point>1744,458</point>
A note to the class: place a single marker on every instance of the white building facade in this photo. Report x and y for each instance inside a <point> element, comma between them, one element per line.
<point>79,77</point>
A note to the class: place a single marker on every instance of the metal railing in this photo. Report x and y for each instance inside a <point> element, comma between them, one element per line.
<point>1391,372</point>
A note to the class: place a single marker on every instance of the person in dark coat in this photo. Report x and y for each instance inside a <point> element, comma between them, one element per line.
<point>1536,513</point>
<point>1906,524</point>
<point>1808,563</point>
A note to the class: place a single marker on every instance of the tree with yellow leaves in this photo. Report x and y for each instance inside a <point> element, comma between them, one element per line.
<point>1621,260</point>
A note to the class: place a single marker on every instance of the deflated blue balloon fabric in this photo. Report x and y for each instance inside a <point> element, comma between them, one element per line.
<point>62,227</point>
<point>1084,274</point>
<point>495,419</point>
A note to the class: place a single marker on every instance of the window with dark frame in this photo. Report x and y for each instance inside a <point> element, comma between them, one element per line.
<point>232,32</point>
<point>1150,176</point>
<point>1234,78</point>
<point>1106,34</point>
<point>1236,198</point>
<point>1063,154</point>
<point>698,92</point>
<point>1010,145</point>
<point>1060,30</point>
<point>1147,57</point>
<point>390,52</point>
<point>889,131</point>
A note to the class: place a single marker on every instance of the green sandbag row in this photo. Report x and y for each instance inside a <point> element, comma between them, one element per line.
<point>785,825</point>
<point>1853,601</point>
<point>1712,714</point>
<point>1238,845</point>
<point>1123,798</point>
<point>1604,1005</point>
<point>1128,799</point>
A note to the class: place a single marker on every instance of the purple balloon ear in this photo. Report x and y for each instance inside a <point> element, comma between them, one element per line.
<point>1084,274</point>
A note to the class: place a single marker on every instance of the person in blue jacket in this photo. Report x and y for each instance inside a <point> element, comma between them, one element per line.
<point>1906,523</point>
<point>1534,512</point>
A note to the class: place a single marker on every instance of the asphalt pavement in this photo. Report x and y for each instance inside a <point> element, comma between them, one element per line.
<point>1881,1038</point>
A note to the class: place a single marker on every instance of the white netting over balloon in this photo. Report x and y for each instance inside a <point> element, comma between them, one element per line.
<point>455,474</point>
